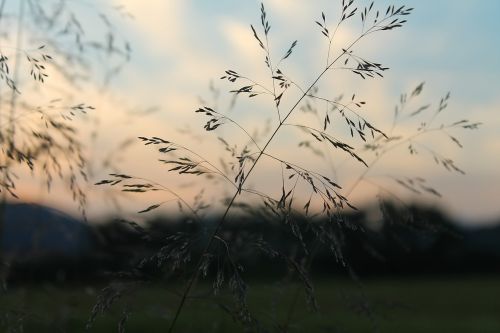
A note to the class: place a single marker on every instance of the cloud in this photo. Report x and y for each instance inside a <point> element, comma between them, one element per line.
<point>179,47</point>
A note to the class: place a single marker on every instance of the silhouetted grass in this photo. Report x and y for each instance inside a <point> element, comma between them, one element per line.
<point>303,191</point>
<point>320,197</point>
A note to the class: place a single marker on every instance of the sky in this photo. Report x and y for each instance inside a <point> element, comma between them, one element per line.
<point>181,48</point>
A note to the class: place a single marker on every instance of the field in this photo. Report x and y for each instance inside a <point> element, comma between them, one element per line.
<point>446,304</point>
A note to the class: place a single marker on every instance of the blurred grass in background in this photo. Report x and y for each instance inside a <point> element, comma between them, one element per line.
<point>427,304</point>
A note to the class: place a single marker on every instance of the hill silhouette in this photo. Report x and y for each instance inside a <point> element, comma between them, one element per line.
<point>43,242</point>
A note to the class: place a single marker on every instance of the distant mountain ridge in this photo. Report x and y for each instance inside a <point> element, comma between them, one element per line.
<point>39,241</point>
<point>30,230</point>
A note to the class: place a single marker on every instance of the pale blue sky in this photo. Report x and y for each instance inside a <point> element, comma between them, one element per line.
<point>180,45</point>
<point>452,45</point>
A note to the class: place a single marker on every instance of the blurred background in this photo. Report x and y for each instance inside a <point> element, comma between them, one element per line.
<point>82,80</point>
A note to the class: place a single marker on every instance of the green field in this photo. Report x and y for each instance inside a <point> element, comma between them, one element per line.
<point>383,305</point>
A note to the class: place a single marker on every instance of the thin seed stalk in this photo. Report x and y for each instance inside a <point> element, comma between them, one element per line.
<point>19,37</point>
<point>194,277</point>
<point>358,180</point>
<point>11,126</point>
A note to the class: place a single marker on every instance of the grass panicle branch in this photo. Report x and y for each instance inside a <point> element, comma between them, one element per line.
<point>320,199</point>
<point>363,68</point>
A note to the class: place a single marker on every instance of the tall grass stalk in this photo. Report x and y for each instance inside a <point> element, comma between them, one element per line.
<point>327,232</point>
<point>42,137</point>
<point>193,279</point>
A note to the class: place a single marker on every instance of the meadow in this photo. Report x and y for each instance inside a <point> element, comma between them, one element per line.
<point>416,304</point>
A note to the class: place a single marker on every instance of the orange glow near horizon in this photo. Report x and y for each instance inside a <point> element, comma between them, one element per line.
<point>179,51</point>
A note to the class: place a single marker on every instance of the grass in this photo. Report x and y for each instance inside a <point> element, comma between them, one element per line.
<point>303,190</point>
<point>143,310</point>
<point>446,304</point>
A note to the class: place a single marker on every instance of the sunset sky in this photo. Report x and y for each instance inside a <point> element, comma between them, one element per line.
<point>179,47</point>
